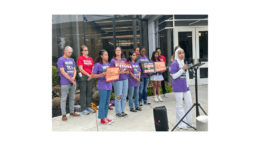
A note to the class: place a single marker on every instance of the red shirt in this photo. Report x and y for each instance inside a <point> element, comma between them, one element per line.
<point>162,58</point>
<point>87,64</point>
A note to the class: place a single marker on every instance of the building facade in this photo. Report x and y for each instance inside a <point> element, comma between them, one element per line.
<point>129,31</point>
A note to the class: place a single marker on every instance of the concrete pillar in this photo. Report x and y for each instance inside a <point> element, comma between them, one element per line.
<point>77,50</point>
<point>134,33</point>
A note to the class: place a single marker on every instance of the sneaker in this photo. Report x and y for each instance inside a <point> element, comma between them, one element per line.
<point>140,104</point>
<point>123,114</point>
<point>164,95</point>
<point>119,115</point>
<point>104,121</point>
<point>109,120</point>
<point>85,112</point>
<point>90,110</point>
<point>160,99</point>
<point>155,99</point>
<point>147,103</point>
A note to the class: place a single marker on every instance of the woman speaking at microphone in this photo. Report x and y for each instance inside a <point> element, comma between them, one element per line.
<point>180,87</point>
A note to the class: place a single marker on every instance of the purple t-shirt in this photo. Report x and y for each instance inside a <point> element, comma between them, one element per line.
<point>131,81</point>
<point>121,76</point>
<point>143,60</point>
<point>178,84</point>
<point>157,73</point>
<point>68,65</point>
<point>102,84</point>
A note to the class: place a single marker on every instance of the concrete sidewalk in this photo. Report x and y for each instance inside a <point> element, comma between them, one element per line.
<point>138,121</point>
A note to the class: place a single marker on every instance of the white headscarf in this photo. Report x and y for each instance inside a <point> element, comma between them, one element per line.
<point>181,64</point>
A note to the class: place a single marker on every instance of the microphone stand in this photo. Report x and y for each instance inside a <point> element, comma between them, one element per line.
<point>194,73</point>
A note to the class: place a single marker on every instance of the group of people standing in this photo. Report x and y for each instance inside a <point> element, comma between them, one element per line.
<point>132,82</point>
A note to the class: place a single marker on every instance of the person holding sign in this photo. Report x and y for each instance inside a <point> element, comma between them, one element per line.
<point>121,85</point>
<point>156,78</point>
<point>162,58</point>
<point>104,88</point>
<point>144,78</point>
<point>134,82</point>
<point>180,87</point>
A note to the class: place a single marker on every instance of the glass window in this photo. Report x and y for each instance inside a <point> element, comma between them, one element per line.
<point>203,45</point>
<point>98,34</point>
<point>203,72</point>
<point>185,41</point>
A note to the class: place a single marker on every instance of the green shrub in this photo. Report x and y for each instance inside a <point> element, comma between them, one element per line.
<point>55,75</point>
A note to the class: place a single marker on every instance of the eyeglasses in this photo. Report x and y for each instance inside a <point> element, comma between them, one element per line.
<point>118,50</point>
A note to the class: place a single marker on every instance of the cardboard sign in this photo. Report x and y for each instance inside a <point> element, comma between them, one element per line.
<point>148,67</point>
<point>123,65</point>
<point>159,66</point>
<point>112,74</point>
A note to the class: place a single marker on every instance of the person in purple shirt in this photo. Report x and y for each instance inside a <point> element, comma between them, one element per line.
<point>67,71</point>
<point>134,82</point>
<point>104,88</point>
<point>144,78</point>
<point>156,78</point>
<point>180,87</point>
<point>121,85</point>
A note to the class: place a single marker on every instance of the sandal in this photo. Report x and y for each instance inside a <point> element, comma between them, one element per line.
<point>133,110</point>
<point>138,108</point>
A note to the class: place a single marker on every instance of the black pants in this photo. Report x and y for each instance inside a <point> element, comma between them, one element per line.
<point>163,84</point>
<point>85,92</point>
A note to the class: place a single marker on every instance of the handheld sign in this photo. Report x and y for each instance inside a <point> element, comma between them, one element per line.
<point>112,74</point>
<point>159,66</point>
<point>148,67</point>
<point>123,65</point>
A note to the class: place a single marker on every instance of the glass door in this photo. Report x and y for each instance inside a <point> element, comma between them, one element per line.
<point>194,42</point>
<point>185,37</point>
<point>202,54</point>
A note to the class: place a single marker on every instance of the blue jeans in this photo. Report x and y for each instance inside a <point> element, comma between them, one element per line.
<point>120,88</point>
<point>143,89</point>
<point>133,91</point>
<point>104,96</point>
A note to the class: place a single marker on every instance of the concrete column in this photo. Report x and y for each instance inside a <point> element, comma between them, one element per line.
<point>77,38</point>
<point>134,33</point>
<point>168,56</point>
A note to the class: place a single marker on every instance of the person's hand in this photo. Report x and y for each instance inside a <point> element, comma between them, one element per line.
<point>162,71</point>
<point>127,71</point>
<point>89,77</point>
<point>142,65</point>
<point>149,73</point>
<point>137,79</point>
<point>169,70</point>
<point>103,74</point>
<point>184,67</point>
<point>72,80</point>
<point>122,71</point>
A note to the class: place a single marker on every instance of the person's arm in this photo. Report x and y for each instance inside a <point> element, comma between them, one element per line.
<point>66,75</point>
<point>178,74</point>
<point>82,70</point>
<point>95,71</point>
<point>98,75</point>
<point>74,73</point>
